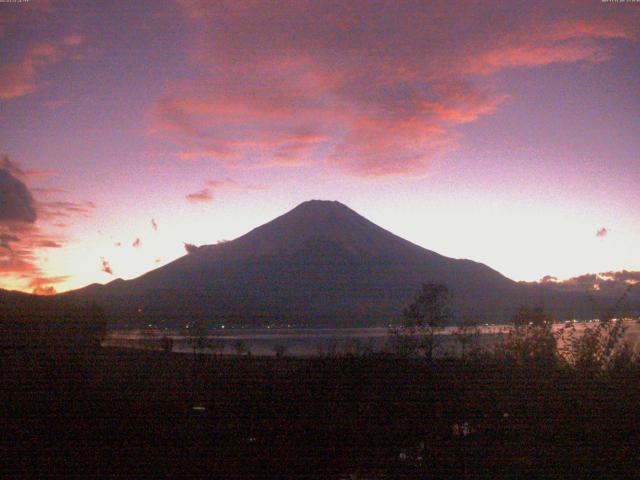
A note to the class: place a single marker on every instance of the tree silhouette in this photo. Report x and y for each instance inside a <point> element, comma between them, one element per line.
<point>467,335</point>
<point>429,312</point>
<point>240,347</point>
<point>280,350</point>
<point>531,340</point>
<point>166,343</point>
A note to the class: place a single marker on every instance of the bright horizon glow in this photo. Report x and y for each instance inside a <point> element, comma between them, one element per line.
<point>503,135</point>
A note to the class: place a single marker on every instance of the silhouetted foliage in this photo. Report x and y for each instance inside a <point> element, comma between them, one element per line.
<point>600,346</point>
<point>51,324</point>
<point>531,340</point>
<point>197,337</point>
<point>240,347</point>
<point>402,342</point>
<point>528,316</point>
<point>280,350</point>
<point>166,344</point>
<point>467,335</point>
<point>429,311</point>
<point>374,416</point>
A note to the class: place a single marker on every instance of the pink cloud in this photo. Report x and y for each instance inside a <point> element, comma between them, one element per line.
<point>106,266</point>
<point>207,194</point>
<point>373,90</point>
<point>56,209</point>
<point>602,232</point>
<point>43,285</point>
<point>136,243</point>
<point>562,41</point>
<point>20,77</point>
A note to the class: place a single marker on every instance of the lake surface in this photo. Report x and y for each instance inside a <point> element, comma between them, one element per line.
<point>312,341</point>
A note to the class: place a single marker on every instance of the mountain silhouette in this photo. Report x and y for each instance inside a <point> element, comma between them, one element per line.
<point>320,263</point>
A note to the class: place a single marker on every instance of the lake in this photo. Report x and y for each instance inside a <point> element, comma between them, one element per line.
<point>312,341</point>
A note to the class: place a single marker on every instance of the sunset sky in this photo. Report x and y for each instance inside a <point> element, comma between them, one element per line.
<point>506,133</point>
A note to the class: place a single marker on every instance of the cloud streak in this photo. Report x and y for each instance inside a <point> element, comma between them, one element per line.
<point>212,187</point>
<point>373,89</point>
<point>19,78</point>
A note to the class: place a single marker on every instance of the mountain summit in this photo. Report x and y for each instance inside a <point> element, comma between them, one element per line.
<point>315,228</point>
<point>320,263</point>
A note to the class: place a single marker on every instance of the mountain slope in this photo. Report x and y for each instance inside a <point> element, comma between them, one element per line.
<point>319,263</point>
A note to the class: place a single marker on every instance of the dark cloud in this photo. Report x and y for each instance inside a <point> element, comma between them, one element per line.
<point>13,168</point>
<point>625,276</point>
<point>136,243</point>
<point>204,195</point>
<point>587,280</point>
<point>190,247</point>
<point>612,283</point>
<point>106,267</point>
<point>602,232</point>
<point>549,279</point>
<point>26,227</point>
<point>16,202</point>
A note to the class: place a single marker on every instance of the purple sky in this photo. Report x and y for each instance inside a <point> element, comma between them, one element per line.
<point>506,133</point>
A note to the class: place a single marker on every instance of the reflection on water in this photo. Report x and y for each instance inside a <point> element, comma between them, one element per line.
<point>312,341</point>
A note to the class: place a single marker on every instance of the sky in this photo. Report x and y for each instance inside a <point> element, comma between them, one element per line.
<point>501,132</point>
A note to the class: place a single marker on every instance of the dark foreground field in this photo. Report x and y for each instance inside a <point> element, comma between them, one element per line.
<point>130,414</point>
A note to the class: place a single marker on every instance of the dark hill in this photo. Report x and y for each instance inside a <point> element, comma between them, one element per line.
<point>320,263</point>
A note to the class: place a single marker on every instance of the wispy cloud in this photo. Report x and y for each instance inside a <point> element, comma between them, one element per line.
<point>372,91</point>
<point>204,195</point>
<point>207,194</point>
<point>21,77</point>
